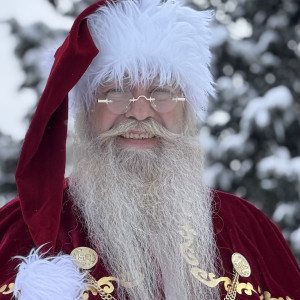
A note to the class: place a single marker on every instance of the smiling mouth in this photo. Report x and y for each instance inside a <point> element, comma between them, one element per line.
<point>138,136</point>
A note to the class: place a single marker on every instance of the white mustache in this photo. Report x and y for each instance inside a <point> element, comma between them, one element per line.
<point>149,126</point>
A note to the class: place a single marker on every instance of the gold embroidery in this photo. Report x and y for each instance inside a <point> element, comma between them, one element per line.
<point>85,258</point>
<point>267,295</point>
<point>247,288</point>
<point>209,279</point>
<point>185,248</point>
<point>103,287</point>
<point>106,284</point>
<point>241,268</point>
<point>10,289</point>
<point>231,293</point>
<point>240,265</point>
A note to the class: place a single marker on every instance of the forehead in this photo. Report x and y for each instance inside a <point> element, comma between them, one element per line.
<point>130,83</point>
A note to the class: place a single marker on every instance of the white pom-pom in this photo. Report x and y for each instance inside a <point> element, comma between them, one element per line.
<point>48,278</point>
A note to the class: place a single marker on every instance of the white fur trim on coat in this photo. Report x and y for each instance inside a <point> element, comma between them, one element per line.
<point>48,278</point>
<point>145,39</point>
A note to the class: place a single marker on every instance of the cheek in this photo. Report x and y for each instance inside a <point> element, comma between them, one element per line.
<point>102,119</point>
<point>173,121</point>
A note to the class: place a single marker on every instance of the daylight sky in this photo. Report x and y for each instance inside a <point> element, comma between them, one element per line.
<point>15,104</point>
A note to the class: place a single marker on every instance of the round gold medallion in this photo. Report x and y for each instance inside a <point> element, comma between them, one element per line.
<point>241,264</point>
<point>85,258</point>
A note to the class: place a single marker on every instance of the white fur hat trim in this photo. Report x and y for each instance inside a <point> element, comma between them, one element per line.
<point>48,278</point>
<point>145,39</point>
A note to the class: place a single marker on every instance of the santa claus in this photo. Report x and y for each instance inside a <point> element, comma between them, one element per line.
<point>135,219</point>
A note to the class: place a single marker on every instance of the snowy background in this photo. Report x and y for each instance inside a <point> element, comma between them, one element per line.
<point>252,134</point>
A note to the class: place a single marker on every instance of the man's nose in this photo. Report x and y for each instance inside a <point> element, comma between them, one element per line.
<point>140,109</point>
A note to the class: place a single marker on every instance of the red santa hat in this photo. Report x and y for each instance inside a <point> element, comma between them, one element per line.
<point>147,38</point>
<point>142,38</point>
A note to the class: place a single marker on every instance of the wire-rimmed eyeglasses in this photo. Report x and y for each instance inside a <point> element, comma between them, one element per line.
<point>162,99</point>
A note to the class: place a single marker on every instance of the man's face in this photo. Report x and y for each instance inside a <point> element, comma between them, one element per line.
<point>140,191</point>
<point>102,118</point>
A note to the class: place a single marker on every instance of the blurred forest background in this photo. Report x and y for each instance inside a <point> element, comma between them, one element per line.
<point>252,134</point>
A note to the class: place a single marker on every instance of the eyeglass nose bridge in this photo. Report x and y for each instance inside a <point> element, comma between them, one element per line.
<point>132,100</point>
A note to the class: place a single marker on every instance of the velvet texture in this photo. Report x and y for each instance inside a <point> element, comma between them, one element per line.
<point>41,167</point>
<point>238,225</point>
<point>43,214</point>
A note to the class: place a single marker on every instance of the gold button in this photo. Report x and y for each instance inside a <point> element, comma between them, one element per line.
<point>85,258</point>
<point>241,265</point>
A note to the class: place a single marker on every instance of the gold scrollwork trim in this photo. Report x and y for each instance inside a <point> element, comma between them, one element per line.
<point>209,279</point>
<point>104,285</point>
<point>185,248</point>
<point>247,288</point>
<point>7,289</point>
<point>267,296</point>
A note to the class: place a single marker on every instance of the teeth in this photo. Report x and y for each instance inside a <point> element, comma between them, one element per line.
<point>137,136</point>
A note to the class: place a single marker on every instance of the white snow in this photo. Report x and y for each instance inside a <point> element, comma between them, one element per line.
<point>259,109</point>
<point>295,239</point>
<point>280,165</point>
<point>219,117</point>
<point>15,104</point>
<point>268,60</point>
<point>217,172</point>
<point>284,211</point>
<point>278,21</point>
<point>233,142</point>
<point>240,29</point>
<point>251,51</point>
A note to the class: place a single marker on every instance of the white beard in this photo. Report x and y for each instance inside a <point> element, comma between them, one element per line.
<point>134,203</point>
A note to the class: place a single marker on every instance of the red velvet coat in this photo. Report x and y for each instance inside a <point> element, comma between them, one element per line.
<point>238,225</point>
<point>43,213</point>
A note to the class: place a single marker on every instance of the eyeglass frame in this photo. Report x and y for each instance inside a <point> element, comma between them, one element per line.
<point>132,100</point>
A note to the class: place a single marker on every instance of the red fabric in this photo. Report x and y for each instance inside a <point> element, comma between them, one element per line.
<point>239,227</point>
<point>41,167</point>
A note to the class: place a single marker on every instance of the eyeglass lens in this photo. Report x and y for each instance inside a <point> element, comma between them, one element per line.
<point>162,99</point>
